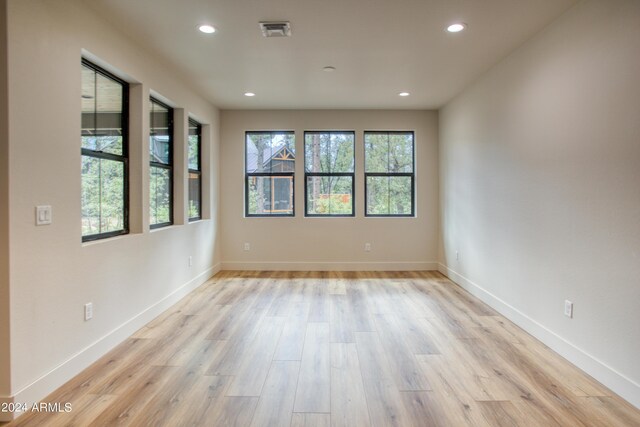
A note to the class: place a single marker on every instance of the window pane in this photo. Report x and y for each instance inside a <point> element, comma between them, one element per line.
<point>388,152</point>
<point>329,152</point>
<point>270,195</point>
<point>401,152</point>
<point>270,152</point>
<point>102,112</point>
<point>102,196</point>
<point>194,145</point>
<point>160,195</point>
<point>341,158</point>
<point>160,138</point>
<point>376,152</point>
<point>109,104</point>
<point>88,108</point>
<point>400,195</point>
<point>194,195</point>
<point>90,195</point>
<point>317,152</point>
<point>389,195</point>
<point>329,195</point>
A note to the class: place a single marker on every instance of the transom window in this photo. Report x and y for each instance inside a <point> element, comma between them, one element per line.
<point>329,173</point>
<point>195,170</point>
<point>269,173</point>
<point>104,142</point>
<point>389,173</point>
<point>161,164</point>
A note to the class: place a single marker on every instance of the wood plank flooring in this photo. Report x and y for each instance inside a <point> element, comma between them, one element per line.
<point>333,349</point>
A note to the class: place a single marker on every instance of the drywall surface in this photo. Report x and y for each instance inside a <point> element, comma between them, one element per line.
<point>5,372</point>
<point>53,274</point>
<point>540,195</point>
<point>302,243</point>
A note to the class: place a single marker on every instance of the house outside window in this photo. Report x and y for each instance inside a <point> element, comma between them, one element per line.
<point>269,173</point>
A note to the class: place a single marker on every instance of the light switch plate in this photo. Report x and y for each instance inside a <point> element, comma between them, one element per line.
<point>568,308</point>
<point>43,215</point>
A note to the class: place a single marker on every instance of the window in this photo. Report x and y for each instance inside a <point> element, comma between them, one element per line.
<point>269,173</point>
<point>389,173</point>
<point>195,170</point>
<point>104,138</point>
<point>161,164</point>
<point>329,173</point>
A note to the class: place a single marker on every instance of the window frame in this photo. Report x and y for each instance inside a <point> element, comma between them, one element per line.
<point>248,175</point>
<point>329,174</point>
<point>198,125</point>
<point>124,158</point>
<point>412,174</point>
<point>168,166</point>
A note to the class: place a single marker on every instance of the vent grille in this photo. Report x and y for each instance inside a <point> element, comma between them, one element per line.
<point>275,28</point>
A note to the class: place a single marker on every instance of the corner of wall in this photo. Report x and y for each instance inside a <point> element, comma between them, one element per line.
<point>5,355</point>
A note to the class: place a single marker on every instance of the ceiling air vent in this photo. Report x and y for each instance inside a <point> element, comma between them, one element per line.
<point>275,28</point>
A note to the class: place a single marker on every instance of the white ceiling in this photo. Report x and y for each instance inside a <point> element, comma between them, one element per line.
<point>379,47</point>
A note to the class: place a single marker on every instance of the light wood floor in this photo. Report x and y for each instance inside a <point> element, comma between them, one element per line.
<point>333,349</point>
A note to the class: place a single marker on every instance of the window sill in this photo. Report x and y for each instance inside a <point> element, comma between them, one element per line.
<point>196,221</point>
<point>390,217</point>
<point>106,240</point>
<point>166,227</point>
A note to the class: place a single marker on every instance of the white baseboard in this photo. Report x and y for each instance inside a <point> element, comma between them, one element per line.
<point>614,380</point>
<point>62,373</point>
<point>5,416</point>
<point>330,266</point>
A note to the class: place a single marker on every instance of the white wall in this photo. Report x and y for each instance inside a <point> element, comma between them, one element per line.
<point>540,188</point>
<point>129,279</point>
<point>329,243</point>
<point>5,373</point>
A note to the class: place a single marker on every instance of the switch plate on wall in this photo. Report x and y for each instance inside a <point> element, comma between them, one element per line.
<point>568,308</point>
<point>247,246</point>
<point>367,247</point>
<point>43,215</point>
<point>88,311</point>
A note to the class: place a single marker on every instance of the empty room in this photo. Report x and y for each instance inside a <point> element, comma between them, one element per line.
<point>320,213</point>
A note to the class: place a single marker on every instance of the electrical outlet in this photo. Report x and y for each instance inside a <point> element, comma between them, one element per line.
<point>190,260</point>
<point>367,247</point>
<point>247,246</point>
<point>568,308</point>
<point>88,311</point>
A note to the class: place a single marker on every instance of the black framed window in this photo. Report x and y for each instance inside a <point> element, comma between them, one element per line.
<point>104,147</point>
<point>389,173</point>
<point>195,170</point>
<point>329,159</point>
<point>161,164</point>
<point>269,173</point>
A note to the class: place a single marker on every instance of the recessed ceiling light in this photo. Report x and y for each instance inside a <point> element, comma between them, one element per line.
<point>457,27</point>
<point>329,69</point>
<point>403,94</point>
<point>249,94</point>
<point>207,29</point>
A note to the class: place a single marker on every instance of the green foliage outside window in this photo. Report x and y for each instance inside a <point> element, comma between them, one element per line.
<point>161,164</point>
<point>103,148</point>
<point>194,148</point>
<point>389,173</point>
<point>102,196</point>
<point>329,166</point>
